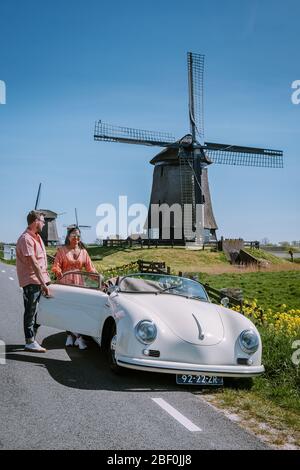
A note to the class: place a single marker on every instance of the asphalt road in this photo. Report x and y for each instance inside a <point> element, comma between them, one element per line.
<point>69,399</point>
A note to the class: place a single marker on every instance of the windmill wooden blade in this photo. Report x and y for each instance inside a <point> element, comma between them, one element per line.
<point>77,225</point>
<point>244,156</point>
<point>195,77</point>
<point>37,202</point>
<point>76,217</point>
<point>128,135</point>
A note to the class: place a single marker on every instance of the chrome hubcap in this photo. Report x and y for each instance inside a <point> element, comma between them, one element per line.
<point>113,343</point>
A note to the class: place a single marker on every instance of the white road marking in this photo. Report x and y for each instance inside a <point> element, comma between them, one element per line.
<point>3,271</point>
<point>175,414</point>
<point>11,278</point>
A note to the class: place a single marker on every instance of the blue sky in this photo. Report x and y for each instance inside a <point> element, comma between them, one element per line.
<point>67,63</point>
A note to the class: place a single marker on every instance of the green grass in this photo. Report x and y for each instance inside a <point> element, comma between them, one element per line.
<point>275,424</point>
<point>264,255</point>
<point>271,289</point>
<point>281,381</point>
<point>274,398</point>
<point>51,250</point>
<point>11,262</point>
<point>179,259</point>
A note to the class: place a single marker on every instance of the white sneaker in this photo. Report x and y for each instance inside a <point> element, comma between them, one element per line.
<point>70,341</point>
<point>80,343</point>
<point>34,347</point>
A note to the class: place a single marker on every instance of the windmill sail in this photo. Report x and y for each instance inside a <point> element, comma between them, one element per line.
<point>37,202</point>
<point>245,156</point>
<point>76,218</point>
<point>195,78</point>
<point>77,225</point>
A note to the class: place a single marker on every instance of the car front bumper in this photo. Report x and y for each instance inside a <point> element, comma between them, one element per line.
<point>168,367</point>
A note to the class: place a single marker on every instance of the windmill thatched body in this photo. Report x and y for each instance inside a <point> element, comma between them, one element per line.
<point>49,233</point>
<point>166,189</point>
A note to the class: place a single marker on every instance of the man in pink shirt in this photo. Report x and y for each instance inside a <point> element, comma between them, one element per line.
<point>33,275</point>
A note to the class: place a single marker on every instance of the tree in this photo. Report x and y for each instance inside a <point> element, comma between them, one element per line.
<point>265,241</point>
<point>284,244</point>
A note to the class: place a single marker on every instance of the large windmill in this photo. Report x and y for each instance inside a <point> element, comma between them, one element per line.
<point>180,170</point>
<point>49,233</point>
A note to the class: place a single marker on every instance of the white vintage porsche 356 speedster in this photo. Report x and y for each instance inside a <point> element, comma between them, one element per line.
<point>157,323</point>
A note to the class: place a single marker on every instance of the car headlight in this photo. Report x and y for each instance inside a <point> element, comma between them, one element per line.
<point>249,341</point>
<point>146,331</point>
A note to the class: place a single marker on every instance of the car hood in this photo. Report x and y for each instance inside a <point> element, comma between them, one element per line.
<point>192,320</point>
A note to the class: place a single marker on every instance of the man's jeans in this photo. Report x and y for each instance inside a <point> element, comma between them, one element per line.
<point>31,296</point>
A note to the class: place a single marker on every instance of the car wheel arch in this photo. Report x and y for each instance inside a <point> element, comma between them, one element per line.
<point>109,324</point>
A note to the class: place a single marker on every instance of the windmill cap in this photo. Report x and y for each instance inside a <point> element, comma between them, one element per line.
<point>48,214</point>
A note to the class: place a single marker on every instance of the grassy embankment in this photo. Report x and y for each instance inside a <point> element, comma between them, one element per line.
<point>178,258</point>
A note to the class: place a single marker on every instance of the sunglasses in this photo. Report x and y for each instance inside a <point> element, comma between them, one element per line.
<point>75,236</point>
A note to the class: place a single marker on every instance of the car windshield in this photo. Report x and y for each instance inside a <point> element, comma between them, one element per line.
<point>162,284</point>
<point>81,279</point>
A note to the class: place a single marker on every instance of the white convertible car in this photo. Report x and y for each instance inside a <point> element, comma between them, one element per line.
<point>157,323</point>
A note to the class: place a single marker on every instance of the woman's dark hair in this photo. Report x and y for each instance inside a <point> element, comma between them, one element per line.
<point>71,230</point>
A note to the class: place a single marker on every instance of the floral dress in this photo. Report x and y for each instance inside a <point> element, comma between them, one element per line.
<point>66,261</point>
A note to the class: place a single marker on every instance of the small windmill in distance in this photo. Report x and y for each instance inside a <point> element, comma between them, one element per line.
<point>49,233</point>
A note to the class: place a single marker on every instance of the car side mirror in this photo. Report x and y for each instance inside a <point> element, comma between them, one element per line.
<point>225,302</point>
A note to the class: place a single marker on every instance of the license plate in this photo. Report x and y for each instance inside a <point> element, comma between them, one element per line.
<point>187,379</point>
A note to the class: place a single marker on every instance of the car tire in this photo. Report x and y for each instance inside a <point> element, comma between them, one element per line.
<point>111,352</point>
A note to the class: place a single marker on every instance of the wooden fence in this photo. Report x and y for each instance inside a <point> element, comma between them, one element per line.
<point>159,267</point>
<point>156,267</point>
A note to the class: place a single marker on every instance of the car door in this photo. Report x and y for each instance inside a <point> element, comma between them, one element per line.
<point>74,308</point>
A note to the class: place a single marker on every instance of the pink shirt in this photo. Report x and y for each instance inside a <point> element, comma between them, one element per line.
<point>31,244</point>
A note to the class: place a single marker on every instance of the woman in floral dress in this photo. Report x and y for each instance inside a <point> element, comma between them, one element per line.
<point>73,257</point>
